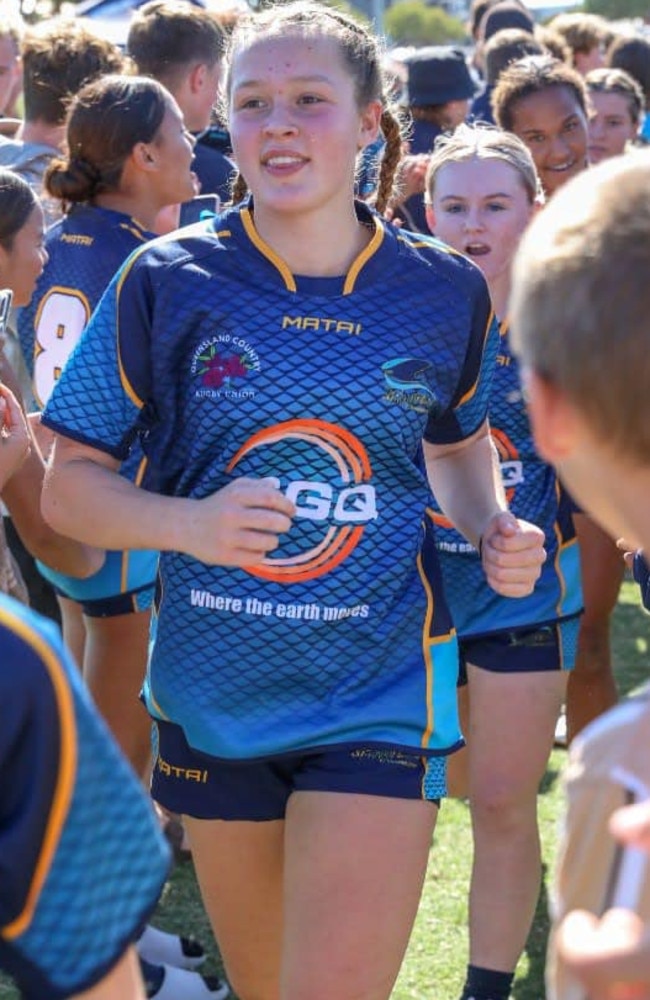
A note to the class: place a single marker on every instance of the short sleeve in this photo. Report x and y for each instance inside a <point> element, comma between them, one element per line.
<point>82,861</point>
<point>469,406</point>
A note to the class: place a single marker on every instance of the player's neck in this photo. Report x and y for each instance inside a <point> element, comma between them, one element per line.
<point>137,208</point>
<point>500,295</point>
<point>43,133</point>
<point>320,244</point>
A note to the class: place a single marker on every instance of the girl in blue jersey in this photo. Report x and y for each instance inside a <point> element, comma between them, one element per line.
<point>303,668</point>
<point>544,102</point>
<point>483,189</point>
<point>129,157</point>
<point>22,258</point>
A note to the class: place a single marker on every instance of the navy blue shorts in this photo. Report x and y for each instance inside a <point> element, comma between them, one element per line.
<point>548,647</point>
<point>194,784</point>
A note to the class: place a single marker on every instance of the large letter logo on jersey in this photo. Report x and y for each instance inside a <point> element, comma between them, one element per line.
<point>325,472</point>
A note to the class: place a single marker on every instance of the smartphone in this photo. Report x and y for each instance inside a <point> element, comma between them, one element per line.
<point>5,309</point>
<point>204,206</point>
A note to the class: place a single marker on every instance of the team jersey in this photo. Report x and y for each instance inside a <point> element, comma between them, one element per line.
<point>82,860</point>
<point>85,250</point>
<point>327,386</point>
<point>534,494</point>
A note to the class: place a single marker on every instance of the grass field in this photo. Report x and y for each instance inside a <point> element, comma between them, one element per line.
<point>436,958</point>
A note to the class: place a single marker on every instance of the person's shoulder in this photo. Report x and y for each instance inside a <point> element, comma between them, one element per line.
<point>187,246</point>
<point>32,651</point>
<point>451,265</point>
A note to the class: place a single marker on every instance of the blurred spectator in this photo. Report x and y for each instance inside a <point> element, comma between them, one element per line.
<point>554,43</point>
<point>58,57</point>
<point>505,47</point>
<point>617,108</point>
<point>438,91</point>
<point>632,53</point>
<point>182,47</point>
<point>587,36</point>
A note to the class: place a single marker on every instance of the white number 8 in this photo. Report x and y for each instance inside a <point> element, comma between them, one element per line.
<point>60,321</point>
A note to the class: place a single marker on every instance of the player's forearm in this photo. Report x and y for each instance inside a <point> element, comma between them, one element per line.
<point>22,494</point>
<point>466,480</point>
<point>95,505</point>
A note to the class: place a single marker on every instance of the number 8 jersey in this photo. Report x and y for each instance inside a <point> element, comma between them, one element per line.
<point>85,250</point>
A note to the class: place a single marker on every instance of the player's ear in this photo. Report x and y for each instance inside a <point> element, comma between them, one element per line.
<point>197,77</point>
<point>143,156</point>
<point>430,216</point>
<point>369,124</point>
<point>553,419</point>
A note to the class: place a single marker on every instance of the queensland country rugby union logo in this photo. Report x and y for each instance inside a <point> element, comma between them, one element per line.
<point>222,366</point>
<point>325,471</point>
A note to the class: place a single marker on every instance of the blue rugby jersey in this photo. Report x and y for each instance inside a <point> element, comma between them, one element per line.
<point>86,248</point>
<point>328,385</point>
<point>534,494</point>
<point>82,860</point>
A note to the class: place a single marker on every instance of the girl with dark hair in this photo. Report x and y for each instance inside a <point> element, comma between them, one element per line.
<point>22,258</point>
<point>129,157</point>
<point>544,102</point>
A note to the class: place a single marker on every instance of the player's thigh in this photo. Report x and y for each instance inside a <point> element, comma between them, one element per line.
<point>354,868</point>
<point>73,628</point>
<point>239,866</point>
<point>116,653</point>
<point>512,722</point>
<point>602,568</point>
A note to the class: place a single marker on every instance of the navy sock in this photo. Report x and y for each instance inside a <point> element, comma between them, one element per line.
<point>486,984</point>
<point>153,976</point>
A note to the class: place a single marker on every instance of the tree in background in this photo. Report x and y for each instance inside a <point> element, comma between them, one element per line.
<point>616,10</point>
<point>413,23</point>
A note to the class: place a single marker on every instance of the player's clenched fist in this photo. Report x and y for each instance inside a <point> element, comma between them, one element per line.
<point>240,524</point>
<point>512,552</point>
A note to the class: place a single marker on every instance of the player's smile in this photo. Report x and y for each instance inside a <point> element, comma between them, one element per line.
<point>295,125</point>
<point>553,125</point>
<point>283,164</point>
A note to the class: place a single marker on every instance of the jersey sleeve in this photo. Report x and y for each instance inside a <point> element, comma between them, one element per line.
<point>469,406</point>
<point>105,385</point>
<point>82,861</point>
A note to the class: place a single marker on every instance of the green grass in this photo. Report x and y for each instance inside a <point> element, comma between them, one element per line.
<point>435,961</point>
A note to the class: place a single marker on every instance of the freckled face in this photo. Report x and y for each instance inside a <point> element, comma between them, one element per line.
<point>554,127</point>
<point>295,126</point>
